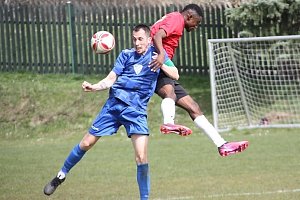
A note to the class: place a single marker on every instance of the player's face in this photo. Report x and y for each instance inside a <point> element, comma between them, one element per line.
<point>192,22</point>
<point>140,41</point>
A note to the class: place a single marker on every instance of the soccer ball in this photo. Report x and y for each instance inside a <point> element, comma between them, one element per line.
<point>102,42</point>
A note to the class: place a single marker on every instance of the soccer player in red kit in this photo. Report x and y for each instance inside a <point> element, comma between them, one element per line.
<point>166,34</point>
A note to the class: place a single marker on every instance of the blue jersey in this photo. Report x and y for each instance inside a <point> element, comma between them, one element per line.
<point>136,82</point>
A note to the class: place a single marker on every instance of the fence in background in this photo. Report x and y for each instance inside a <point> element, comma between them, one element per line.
<point>56,38</point>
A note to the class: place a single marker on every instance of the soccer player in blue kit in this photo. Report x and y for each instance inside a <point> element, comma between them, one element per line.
<point>131,83</point>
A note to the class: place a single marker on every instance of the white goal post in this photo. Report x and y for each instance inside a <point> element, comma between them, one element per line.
<point>255,82</point>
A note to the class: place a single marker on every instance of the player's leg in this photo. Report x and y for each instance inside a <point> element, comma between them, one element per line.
<point>104,124</point>
<point>73,158</point>
<point>87,142</point>
<point>165,89</point>
<point>192,107</point>
<point>140,145</point>
<point>186,102</point>
<point>135,123</point>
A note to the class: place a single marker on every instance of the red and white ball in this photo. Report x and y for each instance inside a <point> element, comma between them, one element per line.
<point>102,42</point>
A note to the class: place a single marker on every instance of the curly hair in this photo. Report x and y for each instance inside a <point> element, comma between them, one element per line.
<point>195,8</point>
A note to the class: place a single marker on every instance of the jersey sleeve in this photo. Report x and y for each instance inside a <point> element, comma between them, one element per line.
<point>120,63</point>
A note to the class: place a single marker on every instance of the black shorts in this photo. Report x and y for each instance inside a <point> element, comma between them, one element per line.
<point>163,80</point>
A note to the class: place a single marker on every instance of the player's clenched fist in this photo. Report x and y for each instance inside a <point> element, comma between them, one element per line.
<point>86,86</point>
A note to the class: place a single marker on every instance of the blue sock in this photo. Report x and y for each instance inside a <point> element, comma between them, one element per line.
<point>73,158</point>
<point>143,179</point>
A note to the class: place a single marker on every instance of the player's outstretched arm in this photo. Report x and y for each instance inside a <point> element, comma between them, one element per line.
<point>105,83</point>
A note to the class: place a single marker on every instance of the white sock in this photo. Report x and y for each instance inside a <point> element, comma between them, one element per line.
<point>209,130</point>
<point>61,175</point>
<point>168,110</point>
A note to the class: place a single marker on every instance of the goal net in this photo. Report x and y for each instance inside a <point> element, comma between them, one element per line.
<point>255,82</point>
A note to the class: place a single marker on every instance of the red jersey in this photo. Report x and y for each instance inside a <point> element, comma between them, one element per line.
<point>173,24</point>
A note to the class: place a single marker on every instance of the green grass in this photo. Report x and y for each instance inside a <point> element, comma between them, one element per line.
<point>43,116</point>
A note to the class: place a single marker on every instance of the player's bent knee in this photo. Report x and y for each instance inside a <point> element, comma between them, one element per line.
<point>167,92</point>
<point>86,145</point>
<point>88,141</point>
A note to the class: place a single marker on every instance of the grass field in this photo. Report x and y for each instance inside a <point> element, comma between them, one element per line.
<point>43,116</point>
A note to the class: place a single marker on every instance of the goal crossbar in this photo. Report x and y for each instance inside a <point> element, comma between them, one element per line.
<point>254,39</point>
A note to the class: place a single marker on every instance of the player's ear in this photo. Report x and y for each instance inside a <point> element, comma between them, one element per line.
<point>149,40</point>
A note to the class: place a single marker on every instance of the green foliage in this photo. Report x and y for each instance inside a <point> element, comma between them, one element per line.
<point>266,17</point>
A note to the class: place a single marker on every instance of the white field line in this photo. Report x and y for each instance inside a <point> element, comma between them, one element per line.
<point>253,193</point>
<point>176,198</point>
<point>232,195</point>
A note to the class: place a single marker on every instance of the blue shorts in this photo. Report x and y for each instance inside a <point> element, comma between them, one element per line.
<point>116,113</point>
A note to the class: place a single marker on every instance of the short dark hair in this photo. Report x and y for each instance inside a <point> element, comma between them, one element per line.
<point>194,7</point>
<point>144,27</point>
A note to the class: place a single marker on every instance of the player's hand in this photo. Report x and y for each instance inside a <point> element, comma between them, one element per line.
<point>86,86</point>
<point>157,62</point>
